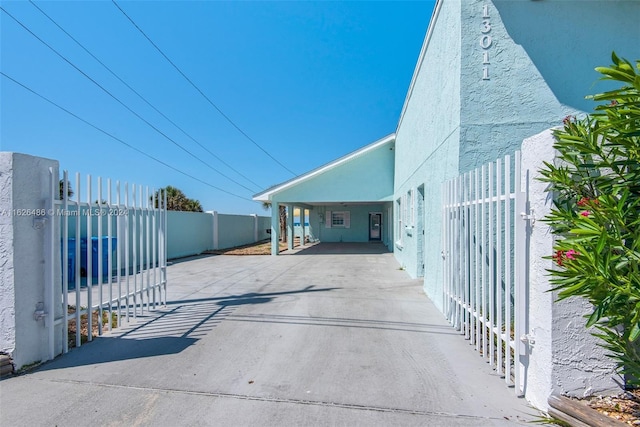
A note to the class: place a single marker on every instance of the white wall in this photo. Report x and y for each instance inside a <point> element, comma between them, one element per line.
<point>565,358</point>
<point>24,240</point>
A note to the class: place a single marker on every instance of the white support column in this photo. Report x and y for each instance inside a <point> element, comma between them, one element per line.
<point>275,228</point>
<point>564,358</point>
<point>30,297</point>
<point>216,233</point>
<point>302,228</point>
<point>255,227</point>
<point>290,230</point>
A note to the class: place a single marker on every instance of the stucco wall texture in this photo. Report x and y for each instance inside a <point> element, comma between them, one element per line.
<point>7,273</point>
<point>365,178</point>
<point>191,233</point>
<point>539,58</point>
<point>427,140</point>
<point>565,358</point>
<point>490,74</point>
<point>25,183</point>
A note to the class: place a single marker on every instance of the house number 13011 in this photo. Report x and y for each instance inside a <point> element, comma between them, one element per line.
<point>485,41</point>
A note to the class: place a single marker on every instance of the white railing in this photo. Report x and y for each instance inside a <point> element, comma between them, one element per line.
<point>112,250</point>
<point>484,287</point>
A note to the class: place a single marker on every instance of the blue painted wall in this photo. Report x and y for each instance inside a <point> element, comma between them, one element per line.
<point>427,140</point>
<point>235,230</point>
<point>264,228</point>
<point>359,227</point>
<point>539,68</point>
<point>367,178</point>
<point>188,233</point>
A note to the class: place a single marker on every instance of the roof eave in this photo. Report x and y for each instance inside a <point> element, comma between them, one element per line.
<point>266,195</point>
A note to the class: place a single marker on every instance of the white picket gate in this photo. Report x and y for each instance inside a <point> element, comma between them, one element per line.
<point>485,291</point>
<point>129,224</point>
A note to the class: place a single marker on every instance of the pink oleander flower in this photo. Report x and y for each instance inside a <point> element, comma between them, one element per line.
<point>572,254</point>
<point>585,213</point>
<point>567,119</point>
<point>585,201</point>
<point>558,257</point>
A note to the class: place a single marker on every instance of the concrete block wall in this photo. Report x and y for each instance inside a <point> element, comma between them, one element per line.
<point>229,231</point>
<point>564,358</point>
<point>188,233</point>
<point>25,261</point>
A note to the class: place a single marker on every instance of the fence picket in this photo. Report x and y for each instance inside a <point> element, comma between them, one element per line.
<point>478,273</point>
<point>91,259</point>
<point>484,253</point>
<point>507,268</point>
<point>484,284</point>
<point>498,264</point>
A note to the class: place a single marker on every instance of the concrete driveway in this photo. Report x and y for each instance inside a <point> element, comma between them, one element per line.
<point>331,335</point>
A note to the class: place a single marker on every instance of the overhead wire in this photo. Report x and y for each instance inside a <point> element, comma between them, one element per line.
<point>115,98</point>
<point>120,140</point>
<point>145,100</point>
<point>226,117</point>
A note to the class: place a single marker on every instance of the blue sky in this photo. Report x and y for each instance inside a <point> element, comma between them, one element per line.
<point>306,81</point>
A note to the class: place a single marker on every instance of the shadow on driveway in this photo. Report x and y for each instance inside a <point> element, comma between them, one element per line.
<point>166,331</point>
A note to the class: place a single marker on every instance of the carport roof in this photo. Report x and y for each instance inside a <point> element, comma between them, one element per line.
<point>265,196</point>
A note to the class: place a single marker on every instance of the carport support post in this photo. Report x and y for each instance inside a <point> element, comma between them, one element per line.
<point>275,228</point>
<point>290,230</point>
<point>302,215</point>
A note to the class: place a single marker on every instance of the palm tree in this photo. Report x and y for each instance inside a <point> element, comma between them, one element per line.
<point>69,190</point>
<point>283,219</point>
<point>177,201</point>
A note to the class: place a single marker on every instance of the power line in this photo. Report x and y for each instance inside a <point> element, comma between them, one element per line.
<point>118,139</point>
<point>145,100</point>
<point>118,100</point>
<point>202,93</point>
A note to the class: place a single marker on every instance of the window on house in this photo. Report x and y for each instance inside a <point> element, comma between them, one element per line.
<point>338,219</point>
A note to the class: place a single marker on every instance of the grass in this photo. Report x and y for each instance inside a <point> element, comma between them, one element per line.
<point>84,325</point>
<point>260,248</point>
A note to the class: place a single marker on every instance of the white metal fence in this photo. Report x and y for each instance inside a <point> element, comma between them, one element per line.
<point>484,264</point>
<point>112,251</point>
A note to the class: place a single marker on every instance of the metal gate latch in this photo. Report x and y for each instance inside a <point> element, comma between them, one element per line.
<point>39,314</point>
<point>528,339</point>
<point>529,217</point>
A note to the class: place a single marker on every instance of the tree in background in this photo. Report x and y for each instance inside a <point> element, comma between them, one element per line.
<point>69,190</point>
<point>177,200</point>
<point>283,219</point>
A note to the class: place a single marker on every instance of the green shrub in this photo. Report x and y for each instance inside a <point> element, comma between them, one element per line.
<point>595,182</point>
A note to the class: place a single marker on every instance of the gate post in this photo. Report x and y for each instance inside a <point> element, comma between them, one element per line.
<point>30,283</point>
<point>564,358</point>
<point>255,227</point>
<point>216,234</point>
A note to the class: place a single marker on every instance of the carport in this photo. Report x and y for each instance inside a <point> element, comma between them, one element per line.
<point>347,200</point>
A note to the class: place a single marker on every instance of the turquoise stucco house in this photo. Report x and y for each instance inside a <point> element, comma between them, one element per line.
<point>490,73</point>
<point>347,200</point>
